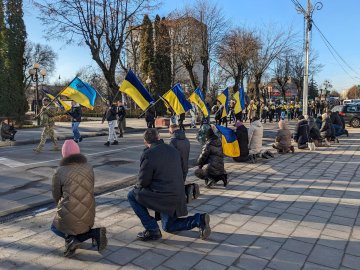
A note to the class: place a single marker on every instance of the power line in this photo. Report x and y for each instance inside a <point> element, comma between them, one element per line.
<point>332,47</point>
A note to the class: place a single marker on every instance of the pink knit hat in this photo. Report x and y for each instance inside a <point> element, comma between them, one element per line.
<point>70,148</point>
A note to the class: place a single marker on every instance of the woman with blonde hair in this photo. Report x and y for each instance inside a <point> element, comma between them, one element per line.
<point>283,139</point>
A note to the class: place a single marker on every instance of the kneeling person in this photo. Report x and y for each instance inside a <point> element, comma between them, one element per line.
<point>160,187</point>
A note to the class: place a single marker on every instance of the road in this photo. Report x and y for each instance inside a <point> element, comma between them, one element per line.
<point>26,176</point>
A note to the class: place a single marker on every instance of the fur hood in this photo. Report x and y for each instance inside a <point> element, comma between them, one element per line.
<point>73,159</point>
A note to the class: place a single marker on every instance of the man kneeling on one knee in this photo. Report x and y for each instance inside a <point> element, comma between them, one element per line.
<point>160,187</point>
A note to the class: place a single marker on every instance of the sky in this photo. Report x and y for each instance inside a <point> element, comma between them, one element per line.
<point>338,20</point>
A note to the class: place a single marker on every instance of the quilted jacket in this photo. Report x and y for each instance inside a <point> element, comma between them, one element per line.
<point>73,192</point>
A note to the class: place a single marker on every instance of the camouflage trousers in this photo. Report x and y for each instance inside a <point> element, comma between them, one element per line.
<point>48,131</point>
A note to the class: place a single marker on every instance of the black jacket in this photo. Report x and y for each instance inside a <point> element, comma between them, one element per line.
<point>121,112</point>
<point>150,115</point>
<point>76,114</point>
<point>110,114</point>
<point>243,139</point>
<point>160,184</point>
<point>336,119</point>
<point>212,154</point>
<point>302,132</point>
<point>7,131</point>
<point>182,144</point>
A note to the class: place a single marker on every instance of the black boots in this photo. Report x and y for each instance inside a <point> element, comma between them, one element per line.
<point>205,229</point>
<point>115,143</point>
<point>107,143</point>
<point>149,235</point>
<point>100,239</point>
<point>192,192</point>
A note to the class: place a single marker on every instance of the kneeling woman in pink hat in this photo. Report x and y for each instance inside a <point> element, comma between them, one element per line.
<point>73,192</point>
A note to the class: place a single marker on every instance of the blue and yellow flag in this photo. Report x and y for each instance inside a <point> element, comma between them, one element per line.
<point>133,87</point>
<point>240,101</point>
<point>63,105</point>
<point>198,98</point>
<point>177,100</point>
<point>230,144</point>
<point>224,100</point>
<point>81,93</point>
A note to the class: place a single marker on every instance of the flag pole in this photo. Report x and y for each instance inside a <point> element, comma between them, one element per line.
<point>151,105</point>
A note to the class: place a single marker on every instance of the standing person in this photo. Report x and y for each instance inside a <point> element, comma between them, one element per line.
<point>212,155</point>
<point>252,110</point>
<point>278,112</point>
<point>271,112</point>
<point>121,121</point>
<point>110,117</point>
<point>48,123</point>
<point>7,131</point>
<point>218,109</point>
<point>150,116</point>
<point>73,192</point>
<point>75,114</point>
<point>193,113</point>
<point>181,121</point>
<point>243,140</point>
<point>231,113</point>
<point>264,112</point>
<point>283,139</point>
<point>160,187</point>
<point>181,143</point>
<point>302,132</point>
<point>201,135</point>
<point>245,112</point>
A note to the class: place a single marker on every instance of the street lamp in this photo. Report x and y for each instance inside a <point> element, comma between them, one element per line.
<point>37,75</point>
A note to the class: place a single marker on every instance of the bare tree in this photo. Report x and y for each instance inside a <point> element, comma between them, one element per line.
<point>235,52</point>
<point>282,72</point>
<point>272,44</point>
<point>41,54</point>
<point>102,25</point>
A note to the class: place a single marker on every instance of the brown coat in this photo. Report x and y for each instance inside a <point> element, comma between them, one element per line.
<point>283,139</point>
<point>73,191</point>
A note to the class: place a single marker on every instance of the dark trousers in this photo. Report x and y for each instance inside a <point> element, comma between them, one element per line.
<point>181,124</point>
<point>169,223</point>
<point>81,237</point>
<point>121,126</point>
<point>150,124</point>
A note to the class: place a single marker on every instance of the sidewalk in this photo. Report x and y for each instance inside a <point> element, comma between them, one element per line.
<point>63,131</point>
<point>297,211</point>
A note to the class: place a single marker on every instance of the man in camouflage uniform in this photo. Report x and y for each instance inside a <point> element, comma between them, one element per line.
<point>48,123</point>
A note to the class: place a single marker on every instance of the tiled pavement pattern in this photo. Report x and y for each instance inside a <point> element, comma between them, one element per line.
<point>296,211</point>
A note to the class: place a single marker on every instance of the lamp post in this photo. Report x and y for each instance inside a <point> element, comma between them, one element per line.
<point>148,83</point>
<point>37,76</point>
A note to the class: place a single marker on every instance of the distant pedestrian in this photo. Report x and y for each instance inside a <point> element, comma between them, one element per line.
<point>7,131</point>
<point>121,120</point>
<point>150,116</point>
<point>193,113</point>
<point>160,187</point>
<point>110,117</point>
<point>75,114</point>
<point>201,135</point>
<point>48,123</point>
<point>73,192</point>
<point>181,119</point>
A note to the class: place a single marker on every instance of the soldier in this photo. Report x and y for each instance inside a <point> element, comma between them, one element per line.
<point>48,123</point>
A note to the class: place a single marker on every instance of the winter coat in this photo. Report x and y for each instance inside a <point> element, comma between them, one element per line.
<point>160,184</point>
<point>182,144</point>
<point>150,115</point>
<point>302,132</point>
<point>283,139</point>
<point>75,113</point>
<point>314,130</point>
<point>110,114</point>
<point>212,154</point>
<point>73,192</point>
<point>255,137</point>
<point>336,119</point>
<point>7,131</point>
<point>326,128</point>
<point>243,139</point>
<point>121,112</point>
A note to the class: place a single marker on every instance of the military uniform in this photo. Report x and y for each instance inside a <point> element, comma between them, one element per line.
<point>48,123</point>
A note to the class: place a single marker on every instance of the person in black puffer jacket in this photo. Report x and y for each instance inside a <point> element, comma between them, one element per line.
<point>302,132</point>
<point>110,117</point>
<point>243,139</point>
<point>212,155</point>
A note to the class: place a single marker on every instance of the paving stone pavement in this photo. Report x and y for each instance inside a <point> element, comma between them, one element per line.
<point>297,211</point>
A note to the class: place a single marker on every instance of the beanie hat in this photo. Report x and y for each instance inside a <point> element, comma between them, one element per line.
<point>70,148</point>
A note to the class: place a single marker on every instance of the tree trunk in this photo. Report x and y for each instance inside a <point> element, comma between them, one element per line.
<point>189,69</point>
<point>205,63</point>
<point>257,91</point>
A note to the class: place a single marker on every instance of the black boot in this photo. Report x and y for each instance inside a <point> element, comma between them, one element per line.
<point>196,193</point>
<point>149,235</point>
<point>225,180</point>
<point>107,143</point>
<point>100,239</point>
<point>205,229</point>
<point>189,192</point>
<point>115,143</point>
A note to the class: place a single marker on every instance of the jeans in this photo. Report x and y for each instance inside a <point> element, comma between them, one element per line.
<point>338,130</point>
<point>112,133</point>
<point>169,223</point>
<point>81,237</point>
<point>75,129</point>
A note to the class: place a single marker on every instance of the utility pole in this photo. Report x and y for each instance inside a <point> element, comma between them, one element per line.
<point>308,20</point>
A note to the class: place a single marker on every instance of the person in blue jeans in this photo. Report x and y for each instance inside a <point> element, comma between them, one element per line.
<point>76,114</point>
<point>160,187</point>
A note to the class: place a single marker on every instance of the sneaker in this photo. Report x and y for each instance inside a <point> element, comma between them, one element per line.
<point>149,235</point>
<point>76,141</point>
<point>71,244</point>
<point>107,143</point>
<point>100,238</point>
<point>115,143</point>
<point>196,191</point>
<point>80,139</point>
<point>205,229</point>
<point>252,158</point>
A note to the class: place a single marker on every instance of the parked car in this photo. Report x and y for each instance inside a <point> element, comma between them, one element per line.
<point>350,112</point>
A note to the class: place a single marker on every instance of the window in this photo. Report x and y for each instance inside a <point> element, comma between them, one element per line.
<point>352,109</point>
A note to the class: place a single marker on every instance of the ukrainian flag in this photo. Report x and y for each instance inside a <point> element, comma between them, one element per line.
<point>63,105</point>
<point>240,100</point>
<point>133,87</point>
<point>81,93</point>
<point>198,98</point>
<point>230,144</point>
<point>177,100</point>
<point>224,100</point>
